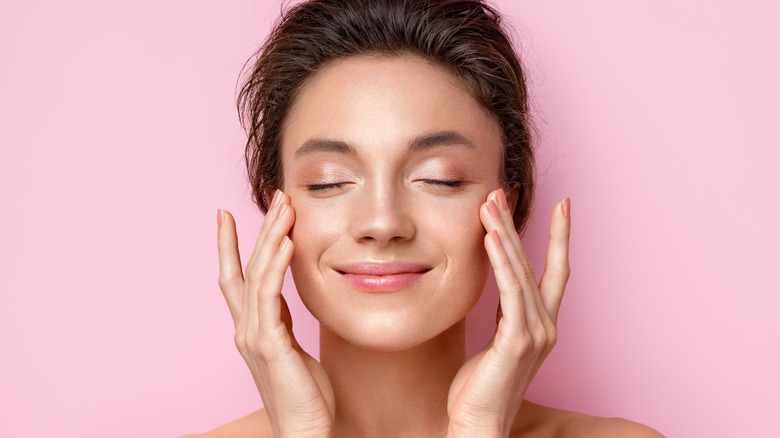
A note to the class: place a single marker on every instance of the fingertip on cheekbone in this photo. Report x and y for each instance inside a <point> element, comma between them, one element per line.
<point>284,244</point>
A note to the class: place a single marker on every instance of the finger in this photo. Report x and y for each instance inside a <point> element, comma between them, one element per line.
<point>231,279</point>
<point>273,312</point>
<point>556,268</point>
<point>286,316</point>
<point>255,268</point>
<point>265,276</point>
<point>503,223</point>
<point>267,221</point>
<point>509,288</point>
<point>528,278</point>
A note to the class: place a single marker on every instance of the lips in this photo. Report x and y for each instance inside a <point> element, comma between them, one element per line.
<point>382,276</point>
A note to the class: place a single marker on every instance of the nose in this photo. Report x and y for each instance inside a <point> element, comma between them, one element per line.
<point>381,216</point>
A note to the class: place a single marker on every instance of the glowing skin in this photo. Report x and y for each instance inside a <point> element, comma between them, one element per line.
<point>388,160</point>
<point>391,180</point>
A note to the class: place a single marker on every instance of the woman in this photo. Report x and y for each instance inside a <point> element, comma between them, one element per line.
<point>390,148</point>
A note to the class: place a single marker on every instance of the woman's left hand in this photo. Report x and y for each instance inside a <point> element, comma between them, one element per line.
<point>487,391</point>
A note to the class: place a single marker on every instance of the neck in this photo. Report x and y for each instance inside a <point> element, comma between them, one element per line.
<point>401,393</point>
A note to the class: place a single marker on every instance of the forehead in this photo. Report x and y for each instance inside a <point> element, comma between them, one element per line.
<point>380,103</point>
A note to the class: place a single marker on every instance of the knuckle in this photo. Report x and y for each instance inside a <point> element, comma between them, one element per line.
<point>516,285</point>
<point>547,341</point>
<point>525,342</point>
<point>225,282</point>
<point>539,337</point>
<point>240,341</point>
<point>257,346</point>
<point>528,269</point>
<point>552,338</point>
<point>503,263</point>
<point>565,272</point>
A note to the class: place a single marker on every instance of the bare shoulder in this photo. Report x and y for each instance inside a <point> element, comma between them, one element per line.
<point>535,420</point>
<point>253,425</point>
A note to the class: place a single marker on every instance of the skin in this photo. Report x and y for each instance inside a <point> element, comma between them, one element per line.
<point>391,158</point>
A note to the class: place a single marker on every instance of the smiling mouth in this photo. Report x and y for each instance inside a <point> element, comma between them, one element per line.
<point>382,277</point>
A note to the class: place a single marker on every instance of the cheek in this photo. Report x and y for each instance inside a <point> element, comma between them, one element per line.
<point>464,231</point>
<point>310,231</point>
<point>463,242</point>
<point>317,227</point>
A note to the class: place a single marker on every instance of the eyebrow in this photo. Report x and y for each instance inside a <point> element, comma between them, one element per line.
<point>421,143</point>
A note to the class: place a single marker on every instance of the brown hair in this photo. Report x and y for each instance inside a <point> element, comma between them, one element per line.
<point>464,36</point>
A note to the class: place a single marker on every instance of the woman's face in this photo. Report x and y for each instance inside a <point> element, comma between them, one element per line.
<point>387,161</point>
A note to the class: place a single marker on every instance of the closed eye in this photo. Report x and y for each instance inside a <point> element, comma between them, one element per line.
<point>433,182</point>
<point>444,182</point>
<point>327,186</point>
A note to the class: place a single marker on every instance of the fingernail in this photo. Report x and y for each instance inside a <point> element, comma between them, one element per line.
<point>493,209</point>
<point>494,236</point>
<point>502,199</point>
<point>285,242</point>
<point>281,211</point>
<point>566,207</point>
<point>220,215</point>
<point>275,199</point>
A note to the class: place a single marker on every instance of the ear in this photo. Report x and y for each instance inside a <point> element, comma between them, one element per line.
<point>511,198</point>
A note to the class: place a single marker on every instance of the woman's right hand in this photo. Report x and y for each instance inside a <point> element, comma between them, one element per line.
<point>295,389</point>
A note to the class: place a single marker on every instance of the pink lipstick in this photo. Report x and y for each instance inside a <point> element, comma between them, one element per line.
<point>382,276</point>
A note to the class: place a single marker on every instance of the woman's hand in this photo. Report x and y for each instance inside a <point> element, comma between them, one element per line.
<point>486,393</point>
<point>296,391</point>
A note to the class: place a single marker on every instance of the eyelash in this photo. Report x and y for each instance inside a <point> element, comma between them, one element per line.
<point>320,187</point>
<point>436,182</point>
<point>453,183</point>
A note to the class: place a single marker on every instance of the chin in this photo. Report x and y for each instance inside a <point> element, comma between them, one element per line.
<point>389,324</point>
<point>388,333</point>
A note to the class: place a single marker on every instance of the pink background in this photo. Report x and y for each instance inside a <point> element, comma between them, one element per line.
<point>119,140</point>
